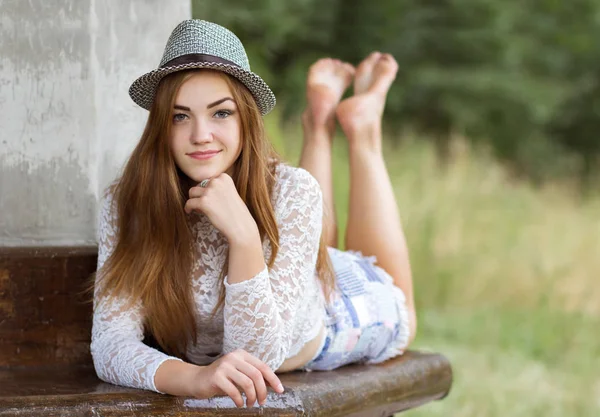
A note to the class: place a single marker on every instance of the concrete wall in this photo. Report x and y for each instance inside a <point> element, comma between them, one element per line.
<point>67,123</point>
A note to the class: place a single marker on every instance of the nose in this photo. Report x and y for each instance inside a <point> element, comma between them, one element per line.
<point>201,132</point>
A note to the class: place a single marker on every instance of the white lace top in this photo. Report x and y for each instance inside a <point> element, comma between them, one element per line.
<point>272,316</point>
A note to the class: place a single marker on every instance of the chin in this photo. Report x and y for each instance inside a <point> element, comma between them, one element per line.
<point>199,175</point>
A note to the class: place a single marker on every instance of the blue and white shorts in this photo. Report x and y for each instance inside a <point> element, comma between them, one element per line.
<point>367,318</point>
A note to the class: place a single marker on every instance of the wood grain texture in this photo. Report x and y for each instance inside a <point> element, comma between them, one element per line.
<point>44,317</point>
<point>46,370</point>
<point>355,390</point>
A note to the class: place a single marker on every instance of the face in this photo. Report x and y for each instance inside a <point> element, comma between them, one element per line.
<point>205,133</point>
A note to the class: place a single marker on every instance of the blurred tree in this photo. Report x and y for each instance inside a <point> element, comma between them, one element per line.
<point>576,126</point>
<point>519,76</point>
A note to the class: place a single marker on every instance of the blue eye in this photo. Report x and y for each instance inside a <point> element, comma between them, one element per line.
<point>222,114</point>
<point>179,117</point>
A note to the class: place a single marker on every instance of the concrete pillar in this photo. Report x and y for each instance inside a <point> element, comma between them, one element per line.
<point>67,123</point>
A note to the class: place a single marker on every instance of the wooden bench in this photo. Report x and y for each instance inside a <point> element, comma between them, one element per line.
<point>46,369</point>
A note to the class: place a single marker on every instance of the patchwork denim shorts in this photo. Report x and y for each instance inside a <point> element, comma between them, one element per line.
<point>367,318</point>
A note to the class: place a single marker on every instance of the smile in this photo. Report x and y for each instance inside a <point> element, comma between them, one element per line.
<point>203,155</point>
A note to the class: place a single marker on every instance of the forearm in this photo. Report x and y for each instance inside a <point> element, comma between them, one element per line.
<point>178,378</point>
<point>246,258</point>
<point>252,320</point>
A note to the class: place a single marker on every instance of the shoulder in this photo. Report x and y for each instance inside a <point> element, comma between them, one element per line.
<point>289,178</point>
<point>107,223</point>
<point>295,189</point>
<point>107,201</point>
<point>110,190</point>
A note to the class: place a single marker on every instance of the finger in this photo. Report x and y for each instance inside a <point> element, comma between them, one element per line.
<point>247,385</point>
<point>194,204</point>
<point>267,372</point>
<point>223,177</point>
<point>257,378</point>
<point>231,390</point>
<point>196,192</point>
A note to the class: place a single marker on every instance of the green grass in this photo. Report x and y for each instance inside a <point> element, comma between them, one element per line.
<point>505,280</point>
<point>527,363</point>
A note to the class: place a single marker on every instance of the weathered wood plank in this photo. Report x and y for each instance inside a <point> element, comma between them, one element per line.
<point>45,364</point>
<point>355,390</point>
<point>44,319</point>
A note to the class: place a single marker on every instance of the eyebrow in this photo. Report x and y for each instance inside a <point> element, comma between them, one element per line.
<point>216,103</point>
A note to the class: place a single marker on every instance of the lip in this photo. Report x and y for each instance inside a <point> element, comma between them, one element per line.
<point>202,155</point>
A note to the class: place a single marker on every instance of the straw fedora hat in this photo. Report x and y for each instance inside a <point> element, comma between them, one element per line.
<point>201,44</point>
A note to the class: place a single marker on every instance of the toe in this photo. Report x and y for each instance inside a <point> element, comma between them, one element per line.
<point>367,63</point>
<point>388,60</point>
<point>349,68</point>
<point>373,56</point>
<point>323,62</point>
<point>345,70</point>
<point>387,64</point>
<point>327,80</point>
<point>384,74</point>
<point>364,72</point>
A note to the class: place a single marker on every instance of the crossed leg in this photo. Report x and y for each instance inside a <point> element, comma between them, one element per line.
<point>374,226</point>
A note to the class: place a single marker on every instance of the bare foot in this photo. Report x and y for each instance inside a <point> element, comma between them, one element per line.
<point>327,80</point>
<point>364,73</point>
<point>360,115</point>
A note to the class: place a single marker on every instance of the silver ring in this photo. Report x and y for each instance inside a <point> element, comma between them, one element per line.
<point>203,183</point>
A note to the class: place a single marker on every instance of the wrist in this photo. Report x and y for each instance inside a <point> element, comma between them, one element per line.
<point>247,238</point>
<point>197,384</point>
<point>179,378</point>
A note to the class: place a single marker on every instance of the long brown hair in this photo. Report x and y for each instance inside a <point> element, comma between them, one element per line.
<point>153,256</point>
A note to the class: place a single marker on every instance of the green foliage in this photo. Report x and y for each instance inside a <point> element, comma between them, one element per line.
<point>518,76</point>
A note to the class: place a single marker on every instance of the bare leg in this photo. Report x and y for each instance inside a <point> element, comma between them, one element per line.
<point>374,226</point>
<point>327,80</point>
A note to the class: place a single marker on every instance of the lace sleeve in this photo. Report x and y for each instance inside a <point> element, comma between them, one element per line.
<point>120,357</point>
<point>259,313</point>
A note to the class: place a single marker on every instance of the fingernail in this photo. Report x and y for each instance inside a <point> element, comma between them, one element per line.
<point>280,388</point>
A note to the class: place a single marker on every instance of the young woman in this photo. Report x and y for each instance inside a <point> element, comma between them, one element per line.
<point>225,256</point>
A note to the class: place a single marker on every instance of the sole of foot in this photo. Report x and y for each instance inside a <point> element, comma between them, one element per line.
<point>326,82</point>
<point>360,115</point>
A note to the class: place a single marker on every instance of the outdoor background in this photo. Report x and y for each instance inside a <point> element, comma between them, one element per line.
<point>492,144</point>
